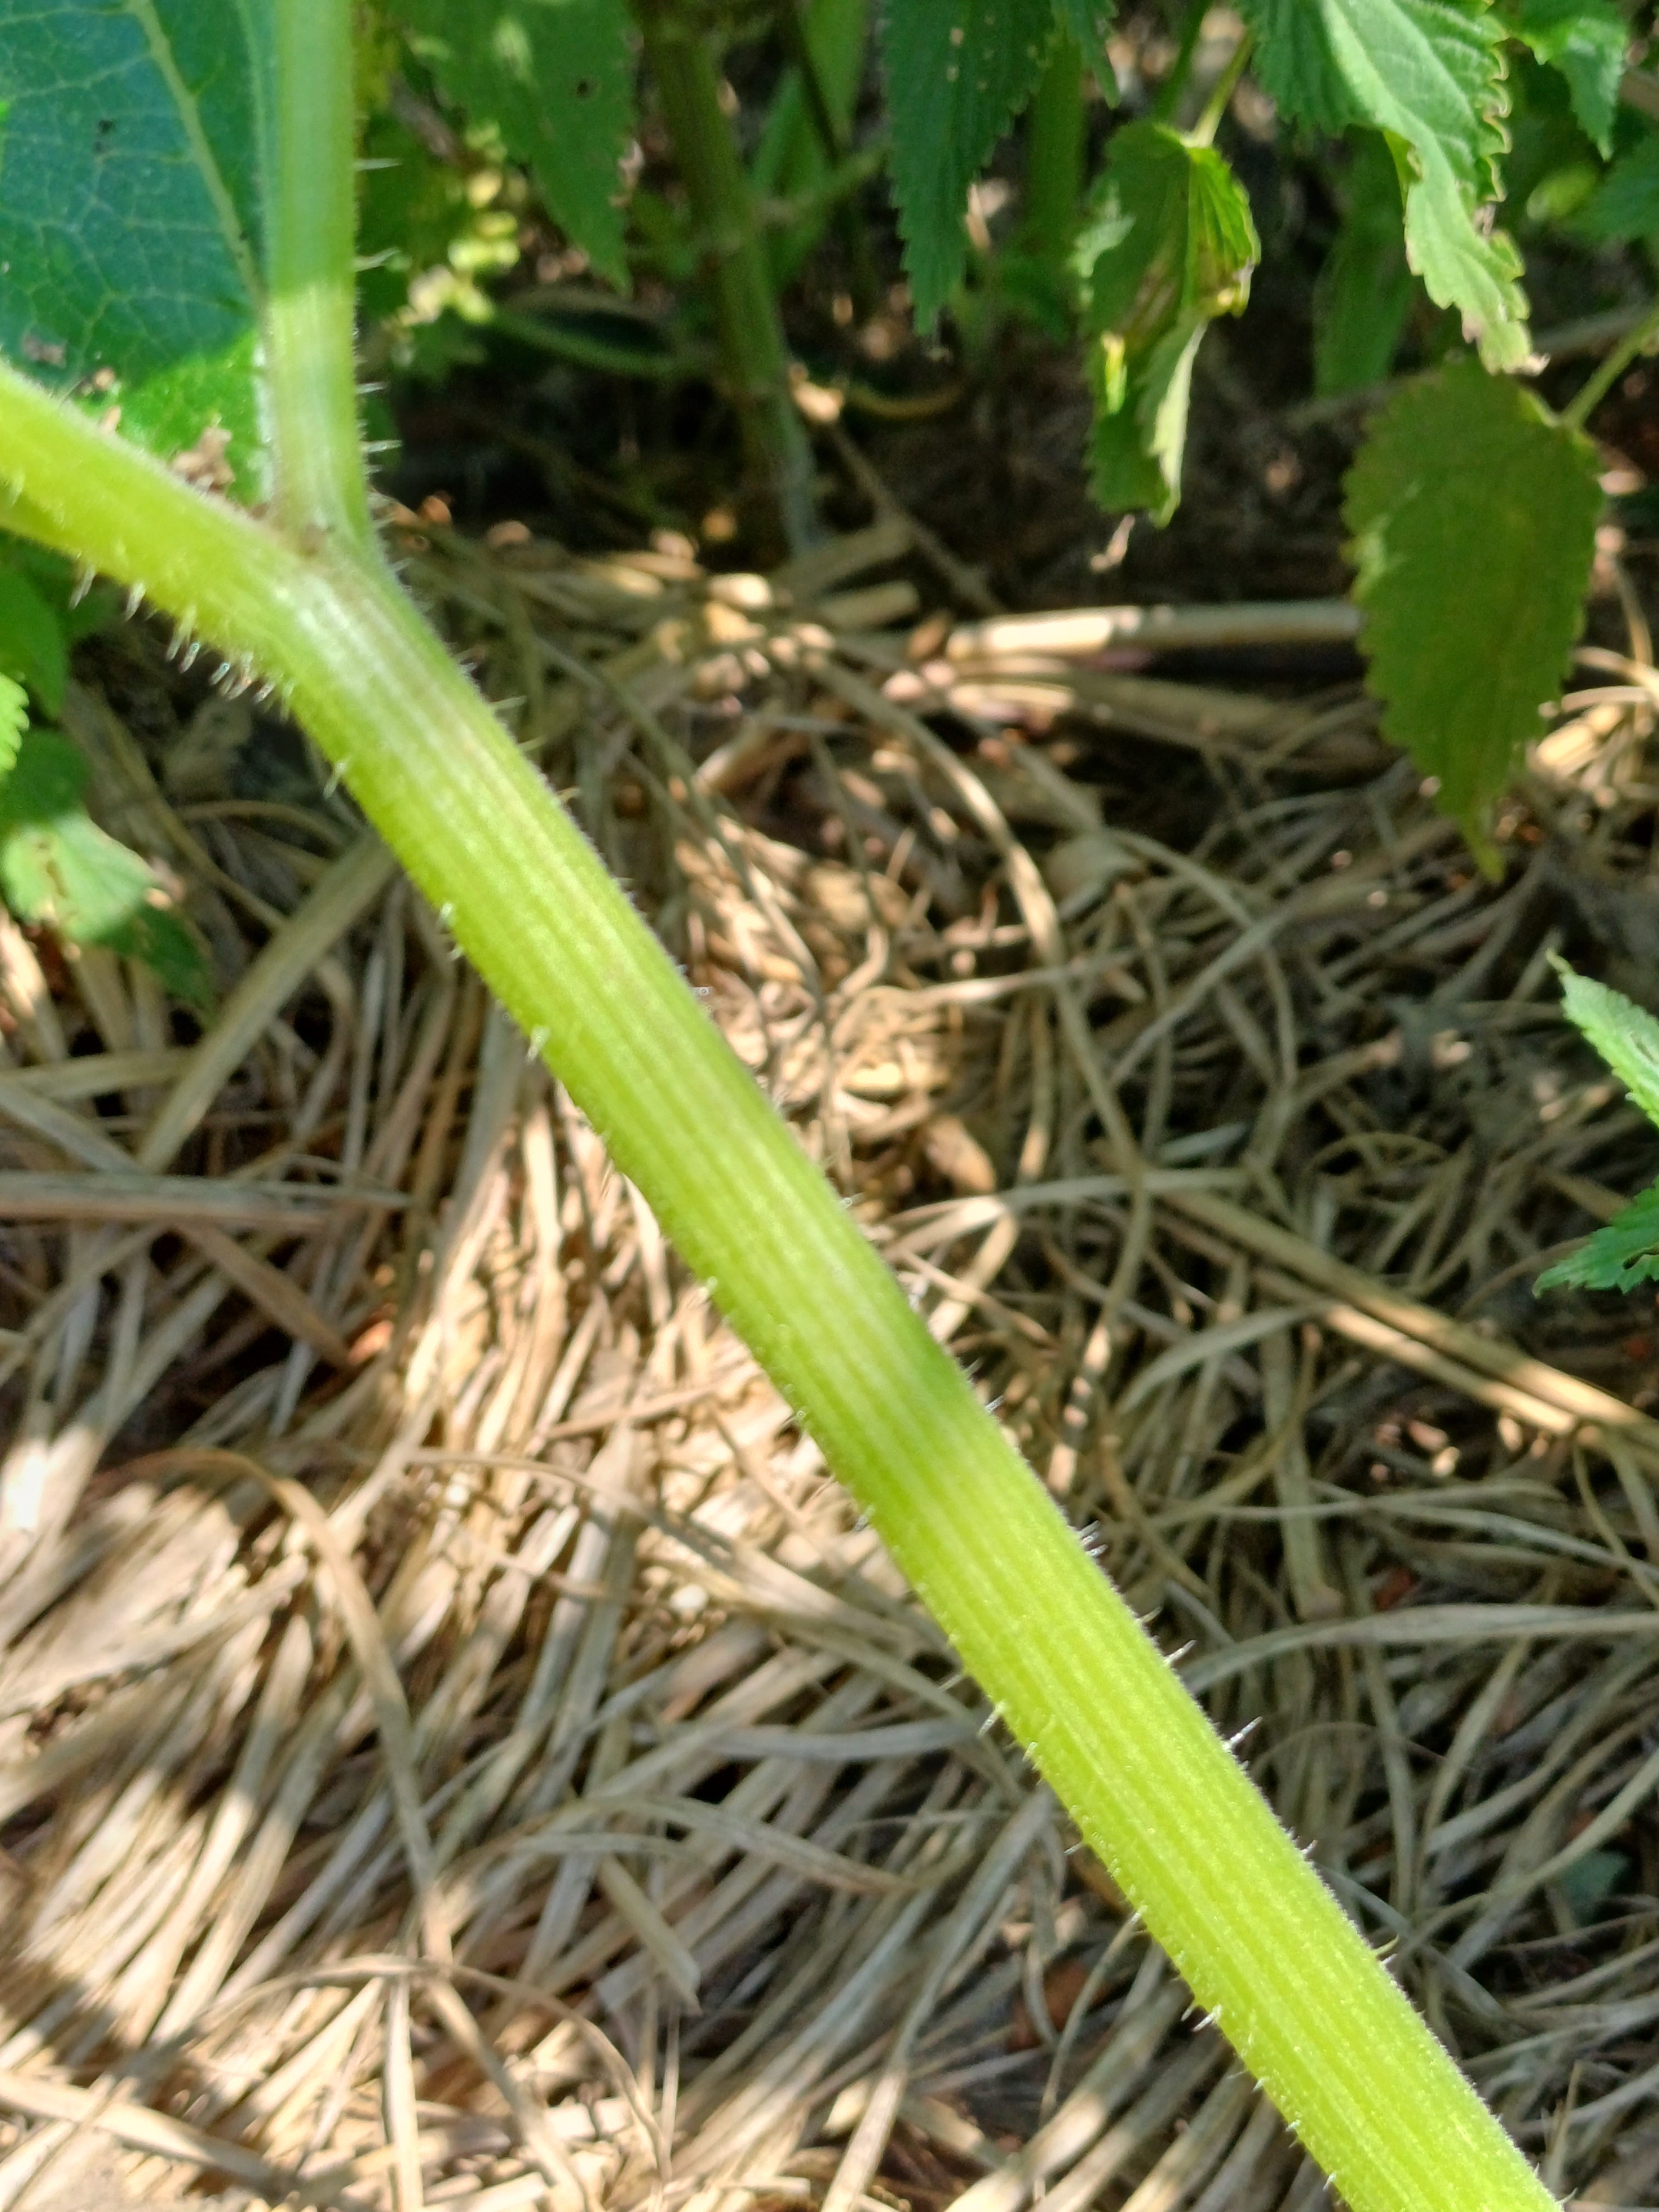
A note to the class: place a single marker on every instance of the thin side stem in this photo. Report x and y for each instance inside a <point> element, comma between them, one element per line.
<point>1601,381</point>
<point>1262,1944</point>
<point>755,358</point>
<point>310,331</point>
<point>1221,92</point>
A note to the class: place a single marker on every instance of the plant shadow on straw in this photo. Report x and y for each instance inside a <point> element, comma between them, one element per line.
<point>459,1747</point>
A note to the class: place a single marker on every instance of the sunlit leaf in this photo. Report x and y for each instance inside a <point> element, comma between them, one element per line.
<point>1166,246</point>
<point>1429,74</point>
<point>1625,1035</point>
<point>129,221</point>
<point>556,79</point>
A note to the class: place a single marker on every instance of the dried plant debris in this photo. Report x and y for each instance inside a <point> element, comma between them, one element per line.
<point>458,1745</point>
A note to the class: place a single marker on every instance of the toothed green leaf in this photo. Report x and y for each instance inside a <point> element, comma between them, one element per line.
<point>1618,1257</point>
<point>1586,41</point>
<point>1166,246</point>
<point>57,867</point>
<point>556,79</point>
<point>1429,75</point>
<point>957,72</point>
<point>1473,519</point>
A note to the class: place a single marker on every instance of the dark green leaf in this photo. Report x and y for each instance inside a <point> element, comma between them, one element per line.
<point>556,79</point>
<point>1473,517</point>
<point>13,721</point>
<point>958,73</point>
<point>1429,75</point>
<point>1586,41</point>
<point>1365,289</point>
<point>1625,1035</point>
<point>57,867</point>
<point>129,227</point>
<point>1090,23</point>
<point>32,650</point>
<point>1168,246</point>
<point>1626,204</point>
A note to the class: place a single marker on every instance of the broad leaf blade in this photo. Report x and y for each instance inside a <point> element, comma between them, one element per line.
<point>57,867</point>
<point>1586,41</point>
<point>129,228</point>
<point>1626,204</point>
<point>1473,519</point>
<point>1625,1035</point>
<point>1429,75</point>
<point>1168,246</point>
<point>958,73</point>
<point>556,78</point>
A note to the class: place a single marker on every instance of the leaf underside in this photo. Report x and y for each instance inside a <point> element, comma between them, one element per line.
<point>1473,517</point>
<point>1166,246</point>
<point>957,72</point>
<point>129,220</point>
<point>1429,75</point>
<point>556,79</point>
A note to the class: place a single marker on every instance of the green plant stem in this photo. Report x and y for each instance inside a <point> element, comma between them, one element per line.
<point>309,310</point>
<point>1221,92</point>
<point>1262,1944</point>
<point>1601,381</point>
<point>1169,95</point>
<point>1055,134</point>
<point>756,360</point>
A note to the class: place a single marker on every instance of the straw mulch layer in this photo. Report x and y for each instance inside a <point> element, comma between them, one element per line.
<point>459,1747</point>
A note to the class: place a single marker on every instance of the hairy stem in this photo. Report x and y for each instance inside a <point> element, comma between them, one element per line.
<point>1262,1944</point>
<point>310,230</point>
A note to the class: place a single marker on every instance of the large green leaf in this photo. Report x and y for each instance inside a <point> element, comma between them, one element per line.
<point>1429,74</point>
<point>129,217</point>
<point>958,73</point>
<point>1365,289</point>
<point>1473,516</point>
<point>555,80</point>
<point>1618,1257</point>
<point>1586,41</point>
<point>57,867</point>
<point>1168,246</point>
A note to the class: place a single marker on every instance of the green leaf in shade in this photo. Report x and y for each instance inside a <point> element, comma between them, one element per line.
<point>13,721</point>
<point>1587,41</point>
<point>58,867</point>
<point>33,647</point>
<point>1365,291</point>
<point>1626,204</point>
<point>1429,75</point>
<point>129,223</point>
<point>555,80</point>
<point>1625,1035</point>
<point>1474,515</point>
<point>1618,1257</point>
<point>1090,23</point>
<point>957,72</point>
<point>1166,246</point>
